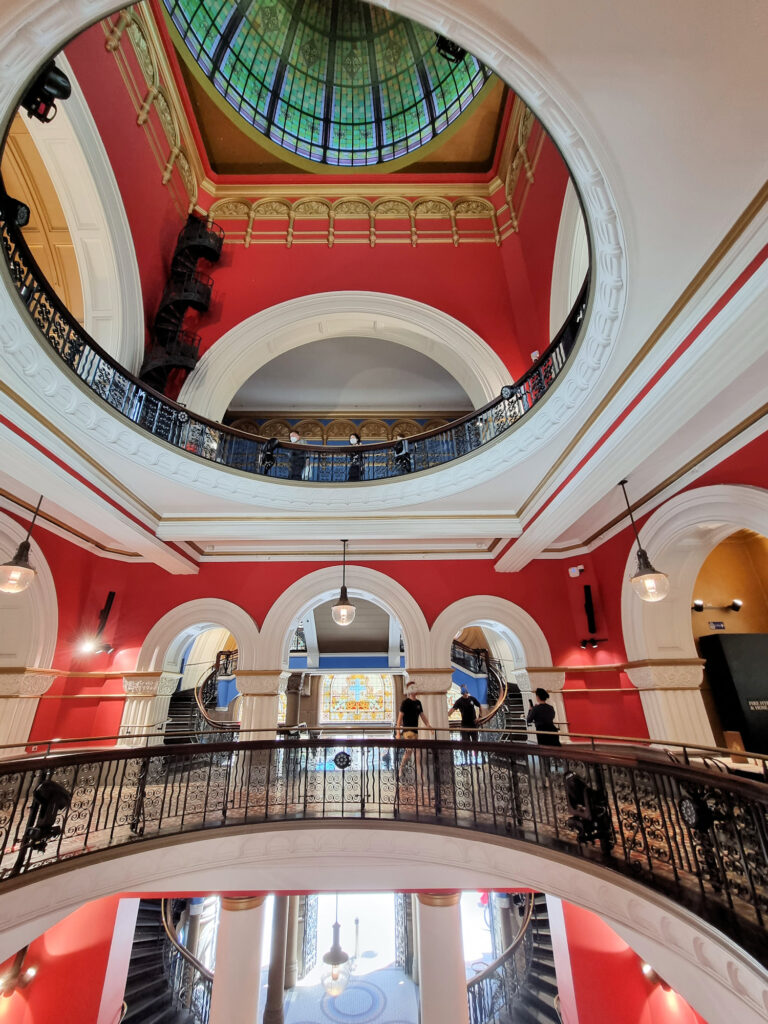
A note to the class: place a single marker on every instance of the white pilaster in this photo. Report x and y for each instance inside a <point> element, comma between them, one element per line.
<point>431,686</point>
<point>259,689</point>
<point>146,707</point>
<point>672,702</point>
<point>442,975</point>
<point>237,975</point>
<point>20,690</point>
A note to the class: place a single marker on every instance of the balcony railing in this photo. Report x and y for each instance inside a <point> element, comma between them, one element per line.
<point>172,423</point>
<point>697,836</point>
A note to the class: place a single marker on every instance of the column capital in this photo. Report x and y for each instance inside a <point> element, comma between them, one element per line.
<point>429,680</point>
<point>25,682</point>
<point>261,682</point>
<point>150,684</point>
<point>669,676</point>
<point>438,899</point>
<point>242,902</point>
<point>550,679</point>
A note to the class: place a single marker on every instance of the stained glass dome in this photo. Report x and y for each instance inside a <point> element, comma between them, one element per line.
<point>337,82</point>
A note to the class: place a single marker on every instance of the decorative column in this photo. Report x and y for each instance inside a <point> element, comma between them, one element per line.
<point>672,702</point>
<point>291,943</point>
<point>273,1010</point>
<point>259,689</point>
<point>553,682</point>
<point>20,692</point>
<point>146,707</point>
<point>442,973</point>
<point>237,976</point>
<point>293,688</point>
<point>432,686</point>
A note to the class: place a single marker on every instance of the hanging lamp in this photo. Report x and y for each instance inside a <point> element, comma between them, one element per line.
<point>648,583</point>
<point>17,574</point>
<point>336,976</point>
<point>343,611</point>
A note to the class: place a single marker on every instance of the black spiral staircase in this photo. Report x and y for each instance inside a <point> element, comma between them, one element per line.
<point>173,347</point>
<point>149,992</point>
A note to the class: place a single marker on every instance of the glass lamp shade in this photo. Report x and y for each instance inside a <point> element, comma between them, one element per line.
<point>648,583</point>
<point>335,979</point>
<point>343,611</point>
<point>17,574</point>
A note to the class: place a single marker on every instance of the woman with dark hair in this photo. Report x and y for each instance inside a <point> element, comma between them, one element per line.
<point>542,717</point>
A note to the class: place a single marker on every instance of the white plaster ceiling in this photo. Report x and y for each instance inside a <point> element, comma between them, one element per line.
<point>344,375</point>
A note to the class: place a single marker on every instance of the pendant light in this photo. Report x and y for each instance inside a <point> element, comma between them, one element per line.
<point>343,611</point>
<point>336,975</point>
<point>17,574</point>
<point>648,583</point>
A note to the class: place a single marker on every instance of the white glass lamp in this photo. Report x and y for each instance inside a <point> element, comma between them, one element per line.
<point>648,583</point>
<point>335,976</point>
<point>343,611</point>
<point>17,574</point>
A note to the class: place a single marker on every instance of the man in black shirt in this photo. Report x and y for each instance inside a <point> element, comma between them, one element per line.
<point>411,710</point>
<point>466,705</point>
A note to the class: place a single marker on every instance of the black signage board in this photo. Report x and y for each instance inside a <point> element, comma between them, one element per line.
<point>737,669</point>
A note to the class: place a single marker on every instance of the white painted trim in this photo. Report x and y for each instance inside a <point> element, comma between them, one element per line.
<point>78,165</point>
<point>322,585</point>
<point>39,600</point>
<point>166,641</point>
<point>678,538</point>
<point>571,261</point>
<point>242,351</point>
<point>717,978</point>
<point>525,637</point>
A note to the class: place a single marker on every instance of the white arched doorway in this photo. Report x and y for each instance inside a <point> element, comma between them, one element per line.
<point>678,537</point>
<point>28,627</point>
<point>249,346</point>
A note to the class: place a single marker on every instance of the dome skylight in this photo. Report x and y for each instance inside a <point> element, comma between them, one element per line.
<point>337,82</point>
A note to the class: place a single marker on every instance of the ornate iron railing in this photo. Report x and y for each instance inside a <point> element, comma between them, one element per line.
<point>172,423</point>
<point>698,836</point>
<point>497,987</point>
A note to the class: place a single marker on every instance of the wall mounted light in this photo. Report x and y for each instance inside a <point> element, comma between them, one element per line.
<point>17,976</point>
<point>50,85</point>
<point>94,644</point>
<point>343,611</point>
<point>648,583</point>
<point>735,606</point>
<point>17,574</point>
<point>592,642</point>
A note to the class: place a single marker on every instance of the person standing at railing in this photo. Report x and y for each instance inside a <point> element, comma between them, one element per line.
<point>542,717</point>
<point>402,454</point>
<point>355,459</point>
<point>407,728</point>
<point>267,457</point>
<point>466,705</point>
<point>298,457</point>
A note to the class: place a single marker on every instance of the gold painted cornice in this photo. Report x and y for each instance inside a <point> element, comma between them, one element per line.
<point>438,899</point>
<point>242,902</point>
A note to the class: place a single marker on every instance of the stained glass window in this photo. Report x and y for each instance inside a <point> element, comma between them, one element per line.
<point>364,697</point>
<point>336,81</point>
<point>282,707</point>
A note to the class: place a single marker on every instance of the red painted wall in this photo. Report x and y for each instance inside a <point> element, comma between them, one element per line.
<point>608,983</point>
<point>72,960</point>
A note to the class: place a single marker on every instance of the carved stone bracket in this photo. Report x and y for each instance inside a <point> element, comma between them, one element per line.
<point>25,682</point>
<point>262,682</point>
<point>150,684</point>
<point>430,680</point>
<point>667,677</point>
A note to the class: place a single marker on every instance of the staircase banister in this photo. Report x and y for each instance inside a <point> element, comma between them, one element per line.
<point>509,951</point>
<point>176,942</point>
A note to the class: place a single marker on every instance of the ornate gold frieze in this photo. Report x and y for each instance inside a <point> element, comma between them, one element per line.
<point>337,429</point>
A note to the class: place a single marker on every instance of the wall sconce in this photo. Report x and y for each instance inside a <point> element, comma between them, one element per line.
<point>94,644</point>
<point>592,642</point>
<point>16,976</point>
<point>653,977</point>
<point>735,606</point>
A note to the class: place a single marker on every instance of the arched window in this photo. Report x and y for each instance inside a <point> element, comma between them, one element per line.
<point>363,697</point>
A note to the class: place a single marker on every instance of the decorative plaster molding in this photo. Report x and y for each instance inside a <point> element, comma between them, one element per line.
<point>251,344</point>
<point>150,684</point>
<point>26,683</point>
<point>667,677</point>
<point>430,680</point>
<point>261,683</point>
<point>523,634</point>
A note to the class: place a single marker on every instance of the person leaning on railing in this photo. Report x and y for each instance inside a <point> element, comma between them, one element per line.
<point>542,717</point>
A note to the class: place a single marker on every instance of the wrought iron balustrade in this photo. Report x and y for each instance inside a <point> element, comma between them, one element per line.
<point>172,423</point>
<point>695,835</point>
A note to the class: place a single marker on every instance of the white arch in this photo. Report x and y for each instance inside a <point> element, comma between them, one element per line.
<point>716,977</point>
<point>319,586</point>
<point>166,641</point>
<point>678,538</point>
<point>78,165</point>
<point>35,612</point>
<point>521,631</point>
<point>244,349</point>
<point>571,262</point>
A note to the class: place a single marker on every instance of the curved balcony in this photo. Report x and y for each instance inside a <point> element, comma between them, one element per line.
<point>696,836</point>
<point>170,422</point>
